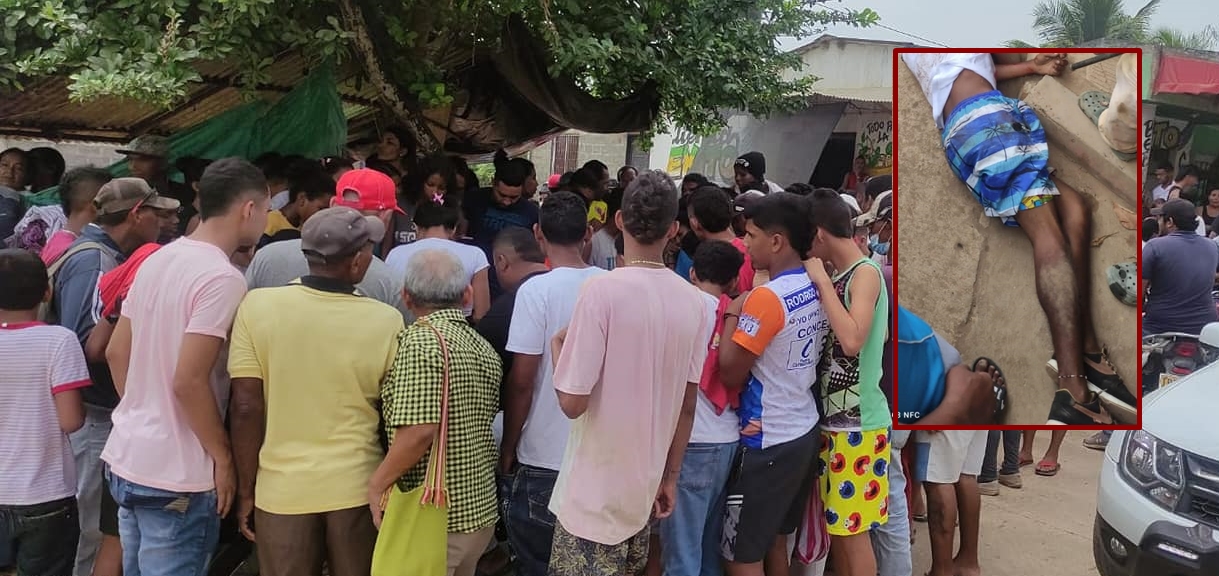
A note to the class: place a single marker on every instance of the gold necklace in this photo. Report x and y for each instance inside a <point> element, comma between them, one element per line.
<point>646,263</point>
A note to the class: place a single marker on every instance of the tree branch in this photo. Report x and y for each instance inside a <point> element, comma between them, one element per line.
<point>353,19</point>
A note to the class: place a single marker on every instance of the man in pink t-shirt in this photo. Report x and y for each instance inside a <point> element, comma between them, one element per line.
<point>627,376</point>
<point>169,460</point>
<point>711,214</point>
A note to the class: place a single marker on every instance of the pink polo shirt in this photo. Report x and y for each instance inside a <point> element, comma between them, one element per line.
<point>187,287</point>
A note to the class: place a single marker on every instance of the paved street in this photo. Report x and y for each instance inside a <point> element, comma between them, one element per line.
<point>1043,528</point>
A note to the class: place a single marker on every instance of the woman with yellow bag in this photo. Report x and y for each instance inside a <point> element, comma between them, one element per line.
<point>433,497</point>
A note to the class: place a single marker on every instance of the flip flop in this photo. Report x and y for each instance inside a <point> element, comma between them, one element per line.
<point>1024,463</point>
<point>918,517</point>
<point>1044,470</point>
<point>1000,390</point>
<point>1094,102</point>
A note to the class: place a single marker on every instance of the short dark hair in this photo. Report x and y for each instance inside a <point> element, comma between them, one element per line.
<point>23,280</point>
<point>831,213</point>
<point>225,182</point>
<point>274,166</point>
<point>584,178</point>
<point>563,219</point>
<point>1151,228</point>
<point>623,170</point>
<point>786,214</point>
<point>620,244</point>
<point>522,242</point>
<point>508,172</point>
<point>431,214</point>
<point>314,182</point>
<point>717,262</point>
<point>712,207</point>
<point>1164,165</point>
<point>613,203</point>
<point>799,189</point>
<point>694,177</point>
<point>73,194</point>
<point>1187,171</point>
<point>192,168</point>
<point>649,207</point>
<point>597,167</point>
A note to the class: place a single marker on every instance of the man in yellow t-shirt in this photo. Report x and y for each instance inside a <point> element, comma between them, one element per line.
<point>310,190</point>
<point>306,386</point>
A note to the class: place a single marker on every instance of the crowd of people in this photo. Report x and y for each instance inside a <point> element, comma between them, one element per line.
<point>631,376</point>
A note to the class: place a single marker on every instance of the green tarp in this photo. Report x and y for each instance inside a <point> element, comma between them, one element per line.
<point>308,121</point>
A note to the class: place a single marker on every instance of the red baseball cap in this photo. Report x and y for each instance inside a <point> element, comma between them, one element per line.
<point>373,190</point>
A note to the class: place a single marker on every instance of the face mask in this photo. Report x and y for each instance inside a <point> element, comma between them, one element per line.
<point>877,247</point>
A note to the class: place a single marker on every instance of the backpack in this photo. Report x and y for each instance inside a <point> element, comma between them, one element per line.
<point>46,312</point>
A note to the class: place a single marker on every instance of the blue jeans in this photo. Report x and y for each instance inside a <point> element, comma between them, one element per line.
<point>525,508</point>
<point>87,445</point>
<point>690,538</point>
<point>165,533</point>
<point>891,540</point>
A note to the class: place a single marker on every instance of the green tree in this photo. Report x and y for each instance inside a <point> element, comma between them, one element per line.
<point>1067,23</point>
<point>698,56</point>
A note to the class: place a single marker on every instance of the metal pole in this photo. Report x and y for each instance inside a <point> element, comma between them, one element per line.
<point>1094,60</point>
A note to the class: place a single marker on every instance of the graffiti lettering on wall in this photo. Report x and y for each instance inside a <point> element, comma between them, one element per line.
<point>876,146</point>
<point>718,155</point>
<point>682,152</point>
<point>1169,139</point>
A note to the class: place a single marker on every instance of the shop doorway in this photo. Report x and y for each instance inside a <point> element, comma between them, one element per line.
<point>835,161</point>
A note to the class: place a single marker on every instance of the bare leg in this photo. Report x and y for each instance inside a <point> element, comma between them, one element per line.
<point>739,569</point>
<point>941,526</point>
<point>1076,218</point>
<point>969,503</point>
<point>777,562</point>
<point>1056,438</point>
<point>1058,292</point>
<point>1026,446</point>
<point>854,555</point>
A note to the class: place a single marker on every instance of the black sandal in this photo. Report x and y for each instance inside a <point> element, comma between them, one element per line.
<point>1000,390</point>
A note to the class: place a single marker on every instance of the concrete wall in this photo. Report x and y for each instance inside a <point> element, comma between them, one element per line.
<point>843,63</point>
<point>972,278</point>
<point>74,153</point>
<point>608,148</point>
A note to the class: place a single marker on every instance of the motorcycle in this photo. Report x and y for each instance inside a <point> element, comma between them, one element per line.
<point>1170,356</point>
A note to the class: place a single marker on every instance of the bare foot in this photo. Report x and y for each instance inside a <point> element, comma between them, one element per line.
<point>962,571</point>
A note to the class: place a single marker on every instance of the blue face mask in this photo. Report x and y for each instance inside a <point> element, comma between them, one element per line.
<point>877,247</point>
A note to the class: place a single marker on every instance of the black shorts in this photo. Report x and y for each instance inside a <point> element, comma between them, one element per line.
<point>767,493</point>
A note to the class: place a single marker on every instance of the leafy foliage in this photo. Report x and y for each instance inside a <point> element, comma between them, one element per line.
<point>701,56</point>
<point>1066,23</point>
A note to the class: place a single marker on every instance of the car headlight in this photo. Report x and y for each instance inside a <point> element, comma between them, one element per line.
<point>1153,467</point>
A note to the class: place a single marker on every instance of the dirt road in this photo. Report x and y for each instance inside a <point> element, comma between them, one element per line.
<point>1044,527</point>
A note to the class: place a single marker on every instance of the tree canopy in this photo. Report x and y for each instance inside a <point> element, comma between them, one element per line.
<point>1067,23</point>
<point>700,56</point>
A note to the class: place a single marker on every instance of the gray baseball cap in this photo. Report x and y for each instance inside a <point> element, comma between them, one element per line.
<point>336,233</point>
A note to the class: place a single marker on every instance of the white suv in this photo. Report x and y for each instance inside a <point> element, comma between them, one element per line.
<point>1157,508</point>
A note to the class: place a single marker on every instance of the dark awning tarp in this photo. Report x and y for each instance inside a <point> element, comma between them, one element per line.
<point>509,98</point>
<point>1178,74</point>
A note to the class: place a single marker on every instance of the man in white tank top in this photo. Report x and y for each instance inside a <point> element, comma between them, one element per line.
<point>997,147</point>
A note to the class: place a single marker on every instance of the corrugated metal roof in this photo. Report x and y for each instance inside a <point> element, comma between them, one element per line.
<point>44,110</point>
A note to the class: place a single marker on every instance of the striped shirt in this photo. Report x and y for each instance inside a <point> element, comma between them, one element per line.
<point>39,362</point>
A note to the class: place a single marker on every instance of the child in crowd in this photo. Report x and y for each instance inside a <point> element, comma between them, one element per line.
<point>44,370</point>
<point>691,536</point>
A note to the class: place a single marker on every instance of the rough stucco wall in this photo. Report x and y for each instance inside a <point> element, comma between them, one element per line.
<point>972,278</point>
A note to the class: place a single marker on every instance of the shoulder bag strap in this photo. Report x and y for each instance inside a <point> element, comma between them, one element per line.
<point>434,491</point>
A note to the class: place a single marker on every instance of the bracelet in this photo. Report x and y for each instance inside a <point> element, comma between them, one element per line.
<point>732,314</point>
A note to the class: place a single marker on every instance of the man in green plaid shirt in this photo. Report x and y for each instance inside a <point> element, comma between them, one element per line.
<point>435,290</point>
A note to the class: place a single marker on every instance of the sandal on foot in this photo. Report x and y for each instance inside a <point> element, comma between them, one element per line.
<point>1047,468</point>
<point>1000,389</point>
<point>1093,103</point>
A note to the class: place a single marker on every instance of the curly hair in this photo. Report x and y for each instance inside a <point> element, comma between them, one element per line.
<point>649,207</point>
